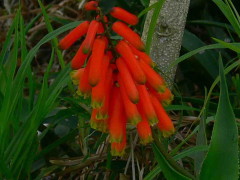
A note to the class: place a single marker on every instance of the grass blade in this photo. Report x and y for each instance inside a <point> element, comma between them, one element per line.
<point>228,45</point>
<point>7,42</point>
<point>227,11</point>
<point>153,24</point>
<point>50,29</point>
<point>149,8</point>
<point>198,50</point>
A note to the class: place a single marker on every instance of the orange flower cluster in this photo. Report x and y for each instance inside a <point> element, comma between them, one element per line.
<point>119,77</point>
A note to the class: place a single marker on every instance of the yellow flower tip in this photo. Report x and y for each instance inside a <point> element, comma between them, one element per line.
<point>93,124</point>
<point>115,139</point>
<point>143,82</point>
<point>168,133</point>
<point>96,104</point>
<point>84,95</point>
<point>102,129</point>
<point>101,116</point>
<point>73,73</point>
<point>118,149</point>
<point>162,89</point>
<point>135,101</point>
<point>116,152</point>
<point>152,120</point>
<point>134,120</point>
<point>79,93</point>
<point>142,48</point>
<point>99,126</point>
<point>73,77</point>
<point>146,140</point>
<point>85,50</point>
<point>153,64</point>
<point>166,102</point>
<point>75,82</point>
<point>94,82</point>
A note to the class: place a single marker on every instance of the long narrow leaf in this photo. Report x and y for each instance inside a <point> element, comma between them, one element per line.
<point>221,162</point>
<point>196,149</point>
<point>228,45</point>
<point>199,50</point>
<point>227,11</point>
<point>153,24</point>
<point>169,171</point>
<point>50,29</point>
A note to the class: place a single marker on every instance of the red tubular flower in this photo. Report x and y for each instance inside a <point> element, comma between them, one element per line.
<point>96,62</point>
<point>125,51</point>
<point>99,91</point>
<point>110,55</point>
<point>124,15</point>
<point>103,112</point>
<point>131,110</point>
<point>116,120</point>
<point>118,149</point>
<point>142,55</point>
<point>153,78</point>
<point>123,86</point>
<point>105,19</point>
<point>91,33</point>
<point>77,75</point>
<point>128,34</point>
<point>79,58</point>
<point>144,130</point>
<point>98,124</point>
<point>146,106</point>
<point>164,124</point>
<point>74,35</point>
<point>100,29</point>
<point>127,80</point>
<point>84,89</point>
<point>106,40</point>
<point>91,6</point>
<point>115,73</point>
<point>165,98</point>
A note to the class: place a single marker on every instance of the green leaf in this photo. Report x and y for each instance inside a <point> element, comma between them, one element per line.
<point>7,42</point>
<point>145,2</point>
<point>228,45</point>
<point>212,23</point>
<point>201,139</point>
<point>226,71</point>
<point>169,171</point>
<point>199,50</point>
<point>207,59</point>
<point>50,29</point>
<point>188,152</point>
<point>221,162</point>
<point>229,14</point>
<point>153,24</point>
<point>180,108</point>
<point>56,143</point>
<point>149,8</point>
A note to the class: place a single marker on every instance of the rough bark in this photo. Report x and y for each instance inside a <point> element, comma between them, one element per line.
<point>168,35</point>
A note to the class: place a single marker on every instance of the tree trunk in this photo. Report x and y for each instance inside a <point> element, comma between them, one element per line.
<point>167,38</point>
